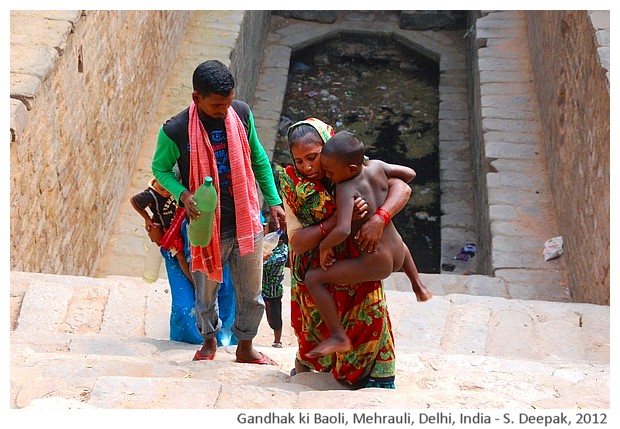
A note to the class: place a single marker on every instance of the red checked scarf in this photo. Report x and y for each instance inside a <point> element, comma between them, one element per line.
<point>202,163</point>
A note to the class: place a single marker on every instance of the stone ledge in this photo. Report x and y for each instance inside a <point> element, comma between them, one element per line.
<point>19,119</point>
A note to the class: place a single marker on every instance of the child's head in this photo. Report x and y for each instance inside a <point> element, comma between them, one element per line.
<point>305,141</point>
<point>342,157</point>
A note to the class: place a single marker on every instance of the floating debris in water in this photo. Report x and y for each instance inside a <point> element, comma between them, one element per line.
<point>468,251</point>
<point>448,267</point>
<point>299,66</point>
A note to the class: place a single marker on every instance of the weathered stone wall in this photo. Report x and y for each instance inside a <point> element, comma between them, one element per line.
<point>76,134</point>
<point>479,159</point>
<point>84,92</point>
<point>573,94</point>
<point>248,53</point>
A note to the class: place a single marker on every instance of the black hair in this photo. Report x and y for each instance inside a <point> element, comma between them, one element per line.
<point>213,77</point>
<point>303,133</point>
<point>345,147</point>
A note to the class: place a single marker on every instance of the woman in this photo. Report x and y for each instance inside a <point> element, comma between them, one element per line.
<point>309,207</point>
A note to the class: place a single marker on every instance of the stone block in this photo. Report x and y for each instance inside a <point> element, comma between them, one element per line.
<point>432,20</point>
<point>35,60</point>
<point>19,120</point>
<point>44,307</point>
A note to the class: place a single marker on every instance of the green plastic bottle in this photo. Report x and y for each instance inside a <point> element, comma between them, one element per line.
<point>201,229</point>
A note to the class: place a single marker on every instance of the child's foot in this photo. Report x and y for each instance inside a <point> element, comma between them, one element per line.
<point>277,344</point>
<point>423,294</point>
<point>331,345</point>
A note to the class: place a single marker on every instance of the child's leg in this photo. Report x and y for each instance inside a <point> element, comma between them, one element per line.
<point>185,267</point>
<point>411,270</point>
<point>338,341</point>
<point>273,310</point>
<point>277,331</point>
<point>366,267</point>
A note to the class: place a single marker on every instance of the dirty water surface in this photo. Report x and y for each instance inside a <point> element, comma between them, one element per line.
<point>388,96</point>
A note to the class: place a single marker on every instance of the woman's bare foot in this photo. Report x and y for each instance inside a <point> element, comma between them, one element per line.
<point>331,345</point>
<point>299,368</point>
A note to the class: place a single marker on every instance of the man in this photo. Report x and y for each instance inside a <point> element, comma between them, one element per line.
<point>215,136</point>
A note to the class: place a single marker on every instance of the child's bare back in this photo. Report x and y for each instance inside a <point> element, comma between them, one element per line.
<point>372,185</point>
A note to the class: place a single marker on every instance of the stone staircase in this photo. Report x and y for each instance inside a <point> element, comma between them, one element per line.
<point>79,342</point>
<point>102,343</point>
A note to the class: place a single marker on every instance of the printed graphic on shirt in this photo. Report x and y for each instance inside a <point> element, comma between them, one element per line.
<point>219,144</point>
<point>170,207</point>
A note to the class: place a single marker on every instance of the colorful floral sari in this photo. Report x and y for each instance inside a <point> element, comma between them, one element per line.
<point>362,307</point>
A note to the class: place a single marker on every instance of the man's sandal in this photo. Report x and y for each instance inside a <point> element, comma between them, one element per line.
<point>198,356</point>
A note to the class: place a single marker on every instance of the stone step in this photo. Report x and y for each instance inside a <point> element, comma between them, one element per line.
<point>108,372</point>
<point>83,342</point>
<point>456,322</point>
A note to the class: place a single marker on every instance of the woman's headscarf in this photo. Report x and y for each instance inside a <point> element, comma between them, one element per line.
<point>325,130</point>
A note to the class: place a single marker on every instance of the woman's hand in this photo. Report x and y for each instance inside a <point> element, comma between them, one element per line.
<point>370,233</point>
<point>372,230</point>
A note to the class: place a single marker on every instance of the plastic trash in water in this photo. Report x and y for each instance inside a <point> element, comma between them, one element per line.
<point>470,248</point>
<point>299,66</point>
<point>448,267</point>
<point>553,248</point>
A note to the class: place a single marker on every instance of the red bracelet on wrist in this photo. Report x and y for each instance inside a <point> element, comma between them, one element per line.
<point>384,214</point>
<point>323,229</point>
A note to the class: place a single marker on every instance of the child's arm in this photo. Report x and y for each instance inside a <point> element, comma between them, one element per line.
<point>402,172</point>
<point>148,222</point>
<point>345,204</point>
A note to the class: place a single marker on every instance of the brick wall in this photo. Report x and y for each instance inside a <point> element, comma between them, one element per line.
<point>573,94</point>
<point>81,130</point>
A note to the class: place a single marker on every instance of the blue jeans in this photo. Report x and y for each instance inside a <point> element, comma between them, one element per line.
<point>247,276</point>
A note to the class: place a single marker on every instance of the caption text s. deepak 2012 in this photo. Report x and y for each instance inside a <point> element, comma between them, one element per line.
<point>440,418</point>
